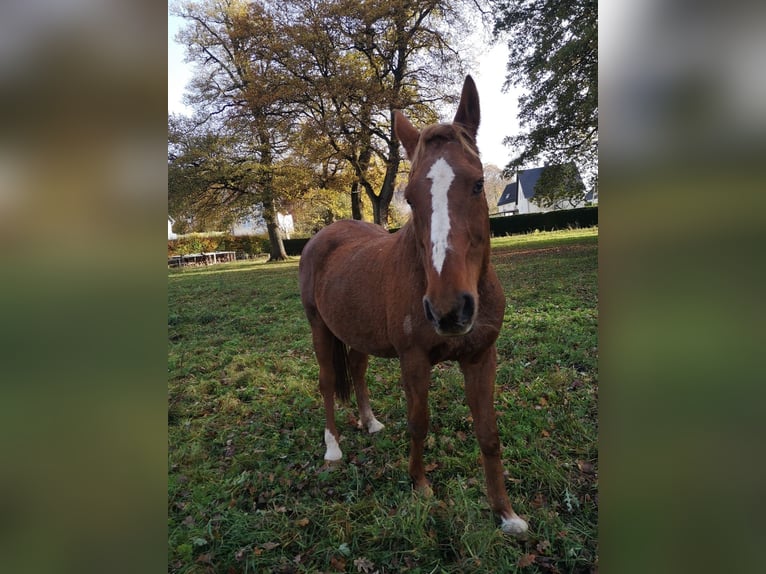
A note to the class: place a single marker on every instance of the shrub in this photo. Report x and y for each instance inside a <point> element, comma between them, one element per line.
<point>549,221</point>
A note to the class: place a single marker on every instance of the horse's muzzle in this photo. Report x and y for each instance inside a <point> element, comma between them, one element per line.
<point>455,322</point>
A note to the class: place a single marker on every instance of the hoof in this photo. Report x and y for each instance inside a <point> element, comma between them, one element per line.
<point>425,490</point>
<point>333,456</point>
<point>333,452</point>
<point>514,526</point>
<point>375,426</point>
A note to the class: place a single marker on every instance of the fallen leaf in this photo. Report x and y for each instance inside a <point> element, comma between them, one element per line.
<point>545,433</point>
<point>542,546</point>
<point>526,560</point>
<point>269,545</point>
<point>431,467</point>
<point>303,522</point>
<point>338,564</point>
<point>363,565</point>
<point>586,467</point>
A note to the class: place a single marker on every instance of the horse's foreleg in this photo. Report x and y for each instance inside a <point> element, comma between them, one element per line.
<point>416,378</point>
<point>479,391</point>
<point>357,364</point>
<point>323,347</point>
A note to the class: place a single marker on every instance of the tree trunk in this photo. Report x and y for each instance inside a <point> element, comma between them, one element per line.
<point>382,202</point>
<point>356,202</point>
<point>276,245</point>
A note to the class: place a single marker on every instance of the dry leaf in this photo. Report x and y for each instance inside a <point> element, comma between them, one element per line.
<point>363,565</point>
<point>303,522</point>
<point>338,564</point>
<point>526,560</point>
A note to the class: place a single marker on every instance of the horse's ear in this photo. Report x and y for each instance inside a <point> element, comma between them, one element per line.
<point>468,113</point>
<point>406,132</point>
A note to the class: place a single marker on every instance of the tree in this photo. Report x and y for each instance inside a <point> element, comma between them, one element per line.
<point>207,187</point>
<point>356,64</point>
<point>553,55</point>
<point>494,184</point>
<point>558,186</point>
<point>238,89</point>
<point>314,83</point>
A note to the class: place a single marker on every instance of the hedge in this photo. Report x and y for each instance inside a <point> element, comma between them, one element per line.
<point>499,226</point>
<point>548,221</point>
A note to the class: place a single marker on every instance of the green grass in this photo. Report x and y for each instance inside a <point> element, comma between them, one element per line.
<point>247,487</point>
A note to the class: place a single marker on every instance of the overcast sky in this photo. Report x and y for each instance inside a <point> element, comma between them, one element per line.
<point>498,109</point>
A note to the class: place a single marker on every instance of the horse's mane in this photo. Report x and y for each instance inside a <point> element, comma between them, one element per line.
<point>448,132</point>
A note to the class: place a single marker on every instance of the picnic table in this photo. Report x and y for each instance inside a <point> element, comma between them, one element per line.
<point>207,258</point>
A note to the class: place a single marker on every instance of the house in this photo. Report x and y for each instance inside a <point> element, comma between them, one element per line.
<point>286,224</point>
<point>518,197</point>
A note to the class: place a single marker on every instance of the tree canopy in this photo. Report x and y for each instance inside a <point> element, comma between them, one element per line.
<point>308,86</point>
<point>553,56</point>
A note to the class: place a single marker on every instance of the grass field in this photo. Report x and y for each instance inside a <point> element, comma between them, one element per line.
<point>248,490</point>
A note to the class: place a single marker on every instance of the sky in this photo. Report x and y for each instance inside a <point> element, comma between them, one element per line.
<point>498,109</point>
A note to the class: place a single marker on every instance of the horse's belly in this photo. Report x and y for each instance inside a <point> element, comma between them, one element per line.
<point>361,327</point>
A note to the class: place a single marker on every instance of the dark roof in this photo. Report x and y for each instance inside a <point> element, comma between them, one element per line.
<point>527,178</point>
<point>509,195</point>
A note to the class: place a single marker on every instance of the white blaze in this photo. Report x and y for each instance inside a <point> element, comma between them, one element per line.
<point>441,176</point>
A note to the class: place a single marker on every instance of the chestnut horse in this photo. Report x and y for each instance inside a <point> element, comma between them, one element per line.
<point>425,294</point>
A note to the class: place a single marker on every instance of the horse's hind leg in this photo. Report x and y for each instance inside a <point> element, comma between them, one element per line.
<point>323,347</point>
<point>357,364</point>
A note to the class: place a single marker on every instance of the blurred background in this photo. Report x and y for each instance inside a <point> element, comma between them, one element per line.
<point>83,298</point>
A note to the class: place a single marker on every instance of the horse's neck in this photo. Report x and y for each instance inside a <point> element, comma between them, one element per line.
<point>407,247</point>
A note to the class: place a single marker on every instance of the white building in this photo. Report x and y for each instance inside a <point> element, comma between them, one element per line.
<point>171,235</point>
<point>518,197</point>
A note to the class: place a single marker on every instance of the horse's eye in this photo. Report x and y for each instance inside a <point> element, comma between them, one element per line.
<point>478,187</point>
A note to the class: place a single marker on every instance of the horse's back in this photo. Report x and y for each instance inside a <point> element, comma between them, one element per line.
<point>332,247</point>
<point>344,271</point>
<point>346,233</point>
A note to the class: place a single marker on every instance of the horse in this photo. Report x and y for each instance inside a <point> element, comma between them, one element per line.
<point>425,294</point>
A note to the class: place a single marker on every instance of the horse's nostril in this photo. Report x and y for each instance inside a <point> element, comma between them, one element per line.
<point>469,306</point>
<point>429,310</point>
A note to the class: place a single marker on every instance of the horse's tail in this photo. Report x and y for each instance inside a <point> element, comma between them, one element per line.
<point>342,373</point>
